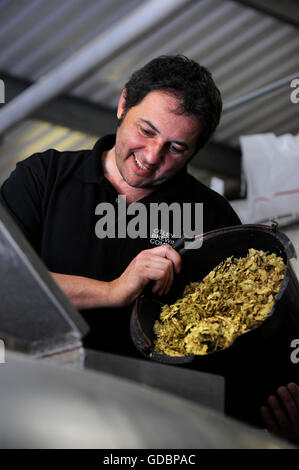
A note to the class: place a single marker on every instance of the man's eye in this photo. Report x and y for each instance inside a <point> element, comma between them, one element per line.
<point>175,149</point>
<point>147,132</point>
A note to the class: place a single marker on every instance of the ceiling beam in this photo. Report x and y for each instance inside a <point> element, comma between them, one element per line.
<point>88,58</point>
<point>286,11</point>
<point>65,110</point>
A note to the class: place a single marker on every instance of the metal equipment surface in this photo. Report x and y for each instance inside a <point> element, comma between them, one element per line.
<point>199,387</point>
<point>35,316</point>
<point>46,406</point>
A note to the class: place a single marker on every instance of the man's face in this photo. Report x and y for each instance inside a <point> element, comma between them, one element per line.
<point>154,142</point>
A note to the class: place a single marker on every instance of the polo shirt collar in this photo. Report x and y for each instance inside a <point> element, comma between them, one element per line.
<point>91,170</point>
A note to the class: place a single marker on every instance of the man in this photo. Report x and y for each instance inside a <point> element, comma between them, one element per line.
<point>168,110</point>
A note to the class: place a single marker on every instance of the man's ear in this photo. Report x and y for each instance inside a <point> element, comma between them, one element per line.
<point>121,104</point>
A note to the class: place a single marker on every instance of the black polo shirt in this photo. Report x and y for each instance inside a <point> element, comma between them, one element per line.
<point>52,196</point>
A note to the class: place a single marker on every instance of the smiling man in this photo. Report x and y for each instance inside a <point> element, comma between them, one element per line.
<point>151,147</point>
<point>167,111</point>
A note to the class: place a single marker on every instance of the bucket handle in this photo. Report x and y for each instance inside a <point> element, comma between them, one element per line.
<point>286,242</point>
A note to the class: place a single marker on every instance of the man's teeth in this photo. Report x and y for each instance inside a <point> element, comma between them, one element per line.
<point>140,164</point>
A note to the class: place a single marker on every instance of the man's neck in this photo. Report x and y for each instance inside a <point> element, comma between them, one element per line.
<point>112,174</point>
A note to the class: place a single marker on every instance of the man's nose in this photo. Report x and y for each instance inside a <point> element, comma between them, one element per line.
<point>153,153</point>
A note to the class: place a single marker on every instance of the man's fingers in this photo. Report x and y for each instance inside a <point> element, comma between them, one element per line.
<point>289,403</point>
<point>157,264</point>
<point>166,251</point>
<point>158,276</point>
<point>269,420</point>
<point>164,283</point>
<point>159,269</point>
<point>169,280</point>
<point>294,390</point>
<point>280,415</point>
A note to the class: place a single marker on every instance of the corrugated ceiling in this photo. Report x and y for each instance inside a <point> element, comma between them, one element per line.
<point>244,49</point>
<point>34,136</point>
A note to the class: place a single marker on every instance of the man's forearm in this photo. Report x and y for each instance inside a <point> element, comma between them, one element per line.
<point>84,292</point>
<point>157,264</point>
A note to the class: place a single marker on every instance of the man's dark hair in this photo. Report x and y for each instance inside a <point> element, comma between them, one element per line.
<point>190,82</point>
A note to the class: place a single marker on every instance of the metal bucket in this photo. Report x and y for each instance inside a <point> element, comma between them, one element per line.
<point>250,351</point>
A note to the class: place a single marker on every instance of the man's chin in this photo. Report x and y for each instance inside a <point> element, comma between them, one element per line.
<point>138,182</point>
<point>140,185</point>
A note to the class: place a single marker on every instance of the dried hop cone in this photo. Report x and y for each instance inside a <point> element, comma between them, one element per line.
<point>234,297</point>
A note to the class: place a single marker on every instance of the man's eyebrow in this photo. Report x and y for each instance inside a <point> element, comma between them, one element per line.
<point>150,124</point>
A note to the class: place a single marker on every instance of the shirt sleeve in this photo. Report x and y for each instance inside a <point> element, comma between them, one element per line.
<point>22,194</point>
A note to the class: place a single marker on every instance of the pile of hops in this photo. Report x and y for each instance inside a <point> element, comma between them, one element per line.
<point>233,298</point>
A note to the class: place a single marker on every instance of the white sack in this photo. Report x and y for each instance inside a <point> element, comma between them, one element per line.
<point>271,171</point>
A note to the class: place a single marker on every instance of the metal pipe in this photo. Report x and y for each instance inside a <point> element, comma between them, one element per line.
<point>259,93</point>
<point>87,58</point>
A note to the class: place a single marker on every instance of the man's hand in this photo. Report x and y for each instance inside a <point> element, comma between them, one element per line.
<point>282,415</point>
<point>157,264</point>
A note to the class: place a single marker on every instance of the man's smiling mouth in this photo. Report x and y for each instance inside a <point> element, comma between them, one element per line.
<point>141,166</point>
